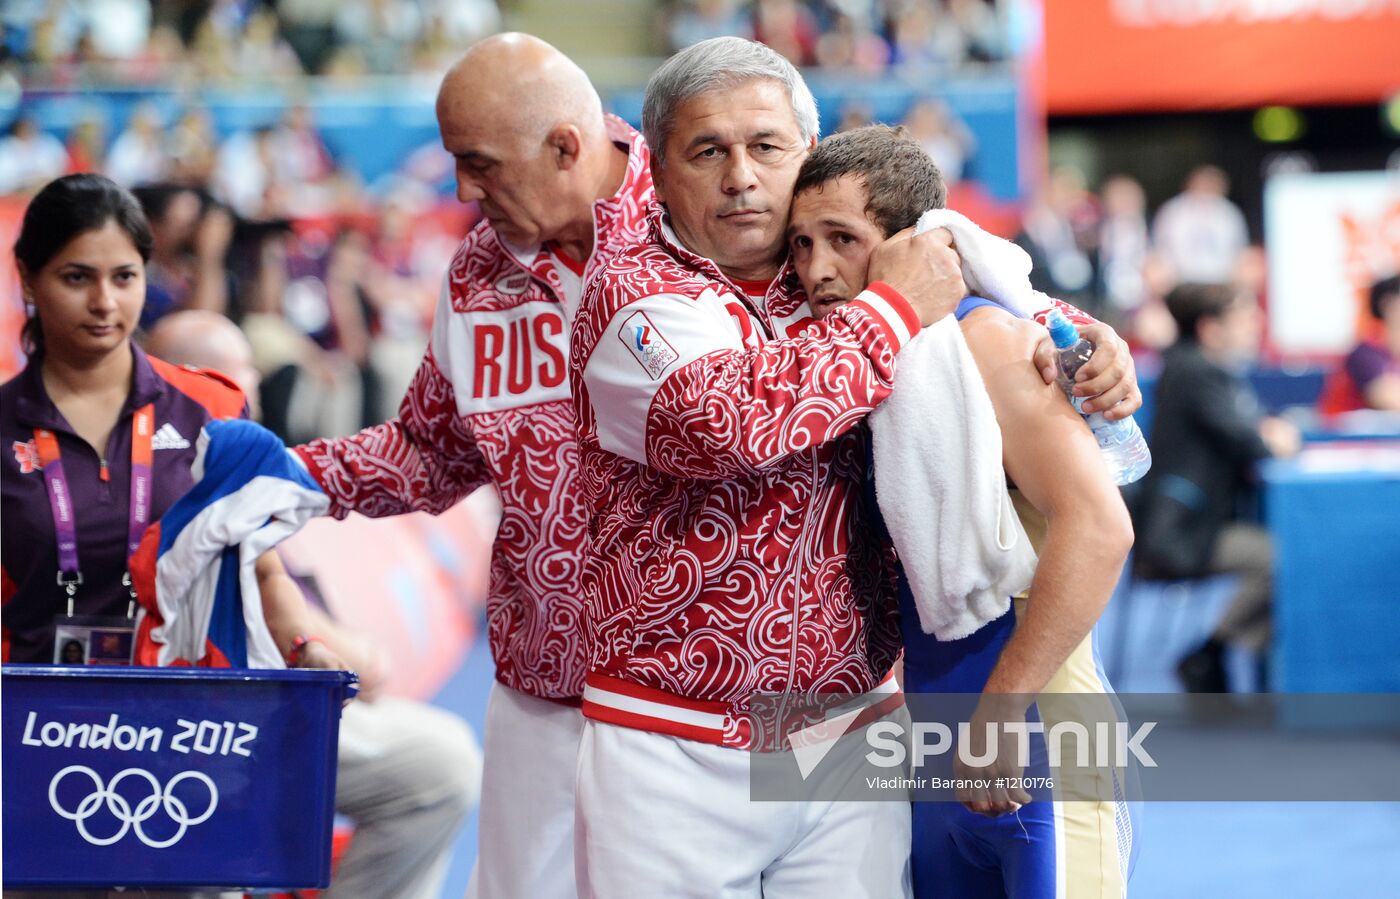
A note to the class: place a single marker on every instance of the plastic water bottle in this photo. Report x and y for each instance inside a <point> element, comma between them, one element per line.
<point>1124,450</point>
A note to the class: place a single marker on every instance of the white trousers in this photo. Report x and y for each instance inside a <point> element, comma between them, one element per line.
<point>663,816</point>
<point>408,774</point>
<point>526,846</point>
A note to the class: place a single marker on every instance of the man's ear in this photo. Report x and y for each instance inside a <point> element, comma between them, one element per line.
<point>567,144</point>
<point>656,168</point>
<point>1208,331</point>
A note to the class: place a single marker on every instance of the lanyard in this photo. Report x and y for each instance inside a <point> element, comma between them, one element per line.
<point>70,575</point>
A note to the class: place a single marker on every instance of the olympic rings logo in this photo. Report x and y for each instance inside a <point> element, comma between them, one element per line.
<point>120,807</point>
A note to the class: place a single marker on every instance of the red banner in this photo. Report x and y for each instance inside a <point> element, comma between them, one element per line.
<point>1136,55</point>
<point>11,298</point>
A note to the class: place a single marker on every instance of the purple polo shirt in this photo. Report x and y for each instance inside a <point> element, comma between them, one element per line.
<point>184,400</point>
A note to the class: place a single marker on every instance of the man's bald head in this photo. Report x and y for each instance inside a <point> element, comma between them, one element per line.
<point>520,84</point>
<point>526,129</point>
<point>204,339</point>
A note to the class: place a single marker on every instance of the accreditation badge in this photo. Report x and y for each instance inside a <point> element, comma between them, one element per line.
<point>94,640</point>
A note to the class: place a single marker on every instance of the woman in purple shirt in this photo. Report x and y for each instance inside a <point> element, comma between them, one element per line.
<point>1374,366</point>
<point>99,438</point>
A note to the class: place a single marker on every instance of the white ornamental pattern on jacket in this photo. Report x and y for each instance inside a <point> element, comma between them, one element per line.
<point>490,404</point>
<point>739,558</point>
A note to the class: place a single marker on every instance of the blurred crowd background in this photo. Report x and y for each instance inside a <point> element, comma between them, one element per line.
<point>328,257</point>
<point>133,42</point>
<point>286,153</point>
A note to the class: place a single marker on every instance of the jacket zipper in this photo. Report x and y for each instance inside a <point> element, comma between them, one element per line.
<point>765,322</point>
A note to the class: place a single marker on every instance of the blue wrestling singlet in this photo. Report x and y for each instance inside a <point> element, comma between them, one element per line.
<point>1047,849</point>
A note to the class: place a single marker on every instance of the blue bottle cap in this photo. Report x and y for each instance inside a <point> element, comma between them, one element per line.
<point>1062,331</point>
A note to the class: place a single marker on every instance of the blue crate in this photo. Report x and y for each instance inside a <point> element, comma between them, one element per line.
<point>169,777</point>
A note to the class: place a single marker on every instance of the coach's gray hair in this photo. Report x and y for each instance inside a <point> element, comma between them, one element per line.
<point>715,64</point>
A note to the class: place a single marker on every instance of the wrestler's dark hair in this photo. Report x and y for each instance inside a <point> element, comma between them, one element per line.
<point>1190,304</point>
<point>900,179</point>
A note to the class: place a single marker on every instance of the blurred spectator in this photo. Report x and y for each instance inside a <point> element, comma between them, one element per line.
<point>297,318</point>
<point>299,156</point>
<point>309,27</point>
<point>982,28</point>
<point>214,50</point>
<point>246,175</point>
<point>228,18</point>
<point>163,59</point>
<point>20,16</point>
<point>188,266</point>
<point>204,339</point>
<point>29,158</point>
<point>190,149</point>
<point>851,44</point>
<point>943,136</point>
<point>51,29</point>
<point>1051,233</point>
<point>851,35</point>
<point>694,21</point>
<point>1369,376</point>
<point>788,27</point>
<point>118,28</point>
<point>358,287</point>
<point>436,50</point>
<point>263,52</point>
<point>137,155</point>
<point>1200,232</point>
<point>854,115</point>
<point>1207,437</point>
<point>921,37</point>
<point>345,63</point>
<point>1252,272</point>
<point>462,22</point>
<point>1123,244</point>
<point>382,30</point>
<point>87,144</point>
<point>400,282</point>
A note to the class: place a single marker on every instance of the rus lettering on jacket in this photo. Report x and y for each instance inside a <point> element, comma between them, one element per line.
<point>509,358</point>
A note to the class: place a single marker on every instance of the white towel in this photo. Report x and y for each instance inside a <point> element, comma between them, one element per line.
<point>992,267</point>
<point>938,473</point>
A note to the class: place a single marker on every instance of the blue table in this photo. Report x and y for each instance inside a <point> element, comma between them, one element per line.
<point>1363,424</point>
<point>1334,512</point>
<point>1277,388</point>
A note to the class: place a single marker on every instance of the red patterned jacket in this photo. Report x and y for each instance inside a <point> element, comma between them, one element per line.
<point>490,405</point>
<point>730,554</point>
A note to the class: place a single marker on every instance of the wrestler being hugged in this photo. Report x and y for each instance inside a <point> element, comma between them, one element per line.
<point>854,191</point>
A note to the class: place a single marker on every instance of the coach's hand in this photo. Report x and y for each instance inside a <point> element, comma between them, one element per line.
<point>924,269</point>
<point>1109,376</point>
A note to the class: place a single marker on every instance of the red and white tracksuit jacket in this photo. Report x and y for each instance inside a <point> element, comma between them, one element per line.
<point>490,404</point>
<point>730,554</point>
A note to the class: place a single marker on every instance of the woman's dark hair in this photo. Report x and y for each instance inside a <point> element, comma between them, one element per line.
<point>1383,292</point>
<point>65,208</point>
